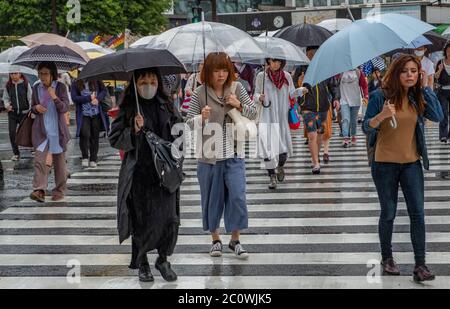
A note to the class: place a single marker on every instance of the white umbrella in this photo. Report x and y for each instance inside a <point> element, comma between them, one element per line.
<point>277,48</point>
<point>335,24</point>
<point>11,54</point>
<point>269,33</point>
<point>191,43</point>
<point>6,68</point>
<point>144,41</point>
<point>92,47</point>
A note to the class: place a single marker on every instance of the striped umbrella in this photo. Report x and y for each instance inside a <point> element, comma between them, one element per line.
<point>65,58</point>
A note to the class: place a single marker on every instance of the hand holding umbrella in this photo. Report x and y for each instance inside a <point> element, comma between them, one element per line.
<point>389,111</point>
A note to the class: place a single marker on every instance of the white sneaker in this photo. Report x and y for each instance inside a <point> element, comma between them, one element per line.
<point>85,163</point>
<point>239,251</point>
<point>93,164</point>
<point>216,249</point>
<point>15,158</point>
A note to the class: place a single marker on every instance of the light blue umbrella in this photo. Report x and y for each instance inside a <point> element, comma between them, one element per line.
<point>362,41</point>
<point>419,42</point>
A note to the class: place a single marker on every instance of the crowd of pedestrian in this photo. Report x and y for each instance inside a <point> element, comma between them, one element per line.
<point>151,215</point>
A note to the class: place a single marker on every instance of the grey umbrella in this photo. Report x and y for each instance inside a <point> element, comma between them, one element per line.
<point>64,57</point>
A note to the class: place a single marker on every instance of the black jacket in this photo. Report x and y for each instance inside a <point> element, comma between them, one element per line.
<point>122,136</point>
<point>318,97</point>
<point>444,78</point>
<point>18,97</point>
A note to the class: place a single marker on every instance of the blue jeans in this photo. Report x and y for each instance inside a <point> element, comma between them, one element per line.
<point>387,177</point>
<point>222,190</point>
<point>349,120</point>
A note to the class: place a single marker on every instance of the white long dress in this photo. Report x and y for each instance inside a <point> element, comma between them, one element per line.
<point>274,134</point>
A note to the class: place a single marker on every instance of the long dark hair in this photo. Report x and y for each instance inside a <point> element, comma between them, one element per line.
<point>129,98</point>
<point>393,89</point>
<point>447,45</point>
<point>93,85</point>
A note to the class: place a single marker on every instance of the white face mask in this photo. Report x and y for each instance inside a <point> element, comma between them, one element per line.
<point>148,91</point>
<point>419,53</point>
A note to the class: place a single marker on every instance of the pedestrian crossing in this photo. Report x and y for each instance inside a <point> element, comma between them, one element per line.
<point>314,231</point>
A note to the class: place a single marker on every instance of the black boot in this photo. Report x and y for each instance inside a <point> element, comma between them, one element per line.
<point>165,269</point>
<point>145,275</point>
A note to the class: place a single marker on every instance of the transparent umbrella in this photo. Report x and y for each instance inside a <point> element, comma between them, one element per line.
<point>144,41</point>
<point>6,68</point>
<point>193,42</point>
<point>335,24</point>
<point>92,47</point>
<point>277,48</point>
<point>11,54</point>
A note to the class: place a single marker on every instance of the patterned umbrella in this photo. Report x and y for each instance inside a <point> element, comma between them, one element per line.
<point>65,58</point>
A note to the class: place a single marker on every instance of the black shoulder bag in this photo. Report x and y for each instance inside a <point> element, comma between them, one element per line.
<point>168,161</point>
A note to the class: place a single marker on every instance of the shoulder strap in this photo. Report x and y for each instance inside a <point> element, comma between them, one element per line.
<point>233,88</point>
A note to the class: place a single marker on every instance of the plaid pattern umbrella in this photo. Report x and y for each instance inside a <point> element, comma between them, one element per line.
<point>65,58</point>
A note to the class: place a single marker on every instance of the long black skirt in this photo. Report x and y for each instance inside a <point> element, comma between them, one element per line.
<point>155,216</point>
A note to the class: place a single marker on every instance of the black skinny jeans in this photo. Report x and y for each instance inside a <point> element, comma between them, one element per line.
<point>89,137</point>
<point>14,120</point>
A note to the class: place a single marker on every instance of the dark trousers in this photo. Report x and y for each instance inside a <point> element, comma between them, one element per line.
<point>444,98</point>
<point>387,177</point>
<point>89,137</point>
<point>14,120</point>
<point>282,158</point>
<point>135,263</point>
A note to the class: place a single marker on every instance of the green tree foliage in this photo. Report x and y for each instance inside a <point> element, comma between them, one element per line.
<point>22,17</point>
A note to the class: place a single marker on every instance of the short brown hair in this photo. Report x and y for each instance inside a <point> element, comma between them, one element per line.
<point>217,61</point>
<point>393,88</point>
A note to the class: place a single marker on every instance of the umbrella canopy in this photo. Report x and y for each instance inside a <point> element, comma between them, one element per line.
<point>92,47</point>
<point>120,65</point>
<point>276,48</point>
<point>144,41</point>
<point>438,41</point>
<point>11,54</point>
<point>191,43</point>
<point>419,42</point>
<point>304,35</point>
<point>446,33</point>
<point>53,39</point>
<point>362,41</point>
<point>94,55</point>
<point>6,68</point>
<point>335,24</point>
<point>65,58</point>
<point>269,33</point>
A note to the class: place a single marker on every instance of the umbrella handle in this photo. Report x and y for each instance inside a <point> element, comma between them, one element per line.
<point>393,122</point>
<point>136,95</point>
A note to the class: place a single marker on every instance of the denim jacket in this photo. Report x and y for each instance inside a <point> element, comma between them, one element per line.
<point>433,112</point>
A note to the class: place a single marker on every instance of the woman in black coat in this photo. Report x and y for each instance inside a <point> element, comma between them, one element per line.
<point>146,211</point>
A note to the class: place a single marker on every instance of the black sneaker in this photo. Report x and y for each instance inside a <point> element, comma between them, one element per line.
<point>239,251</point>
<point>216,249</point>
<point>444,140</point>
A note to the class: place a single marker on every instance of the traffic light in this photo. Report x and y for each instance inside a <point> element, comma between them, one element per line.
<point>196,14</point>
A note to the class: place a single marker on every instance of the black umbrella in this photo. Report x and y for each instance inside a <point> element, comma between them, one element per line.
<point>120,65</point>
<point>438,41</point>
<point>64,57</point>
<point>304,35</point>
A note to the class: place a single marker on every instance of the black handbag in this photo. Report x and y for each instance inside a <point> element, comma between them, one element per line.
<point>168,162</point>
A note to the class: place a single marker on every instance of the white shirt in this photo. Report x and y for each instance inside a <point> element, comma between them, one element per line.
<point>428,67</point>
